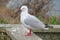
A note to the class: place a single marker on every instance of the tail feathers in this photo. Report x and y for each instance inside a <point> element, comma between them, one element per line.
<point>48,26</point>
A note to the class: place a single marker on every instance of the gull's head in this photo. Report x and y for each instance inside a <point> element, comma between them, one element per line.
<point>24,8</point>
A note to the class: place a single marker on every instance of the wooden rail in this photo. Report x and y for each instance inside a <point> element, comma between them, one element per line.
<point>15,32</point>
<point>55,29</point>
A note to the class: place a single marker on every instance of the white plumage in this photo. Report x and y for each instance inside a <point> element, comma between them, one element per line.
<point>30,21</point>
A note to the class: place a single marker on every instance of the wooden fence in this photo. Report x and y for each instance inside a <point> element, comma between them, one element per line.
<point>41,34</point>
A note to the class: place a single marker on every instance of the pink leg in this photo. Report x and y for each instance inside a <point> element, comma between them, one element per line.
<point>29,33</point>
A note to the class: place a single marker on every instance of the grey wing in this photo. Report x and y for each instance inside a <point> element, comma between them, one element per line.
<point>33,22</point>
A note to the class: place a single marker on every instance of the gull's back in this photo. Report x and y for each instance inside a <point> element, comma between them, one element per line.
<point>34,22</point>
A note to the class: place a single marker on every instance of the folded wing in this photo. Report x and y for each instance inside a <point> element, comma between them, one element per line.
<point>34,22</point>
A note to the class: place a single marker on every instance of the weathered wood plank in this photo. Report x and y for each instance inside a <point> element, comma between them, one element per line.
<point>56,26</point>
<point>17,32</point>
<point>49,30</point>
<point>55,29</point>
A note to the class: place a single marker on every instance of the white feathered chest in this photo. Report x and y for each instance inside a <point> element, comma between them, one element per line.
<point>23,16</point>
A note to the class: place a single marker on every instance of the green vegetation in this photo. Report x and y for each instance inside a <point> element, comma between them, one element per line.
<point>3,20</point>
<point>52,20</point>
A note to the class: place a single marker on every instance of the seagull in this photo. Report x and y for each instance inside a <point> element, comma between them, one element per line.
<point>30,21</point>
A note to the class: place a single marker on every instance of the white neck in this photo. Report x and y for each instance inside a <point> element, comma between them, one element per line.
<point>24,12</point>
<point>23,15</point>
